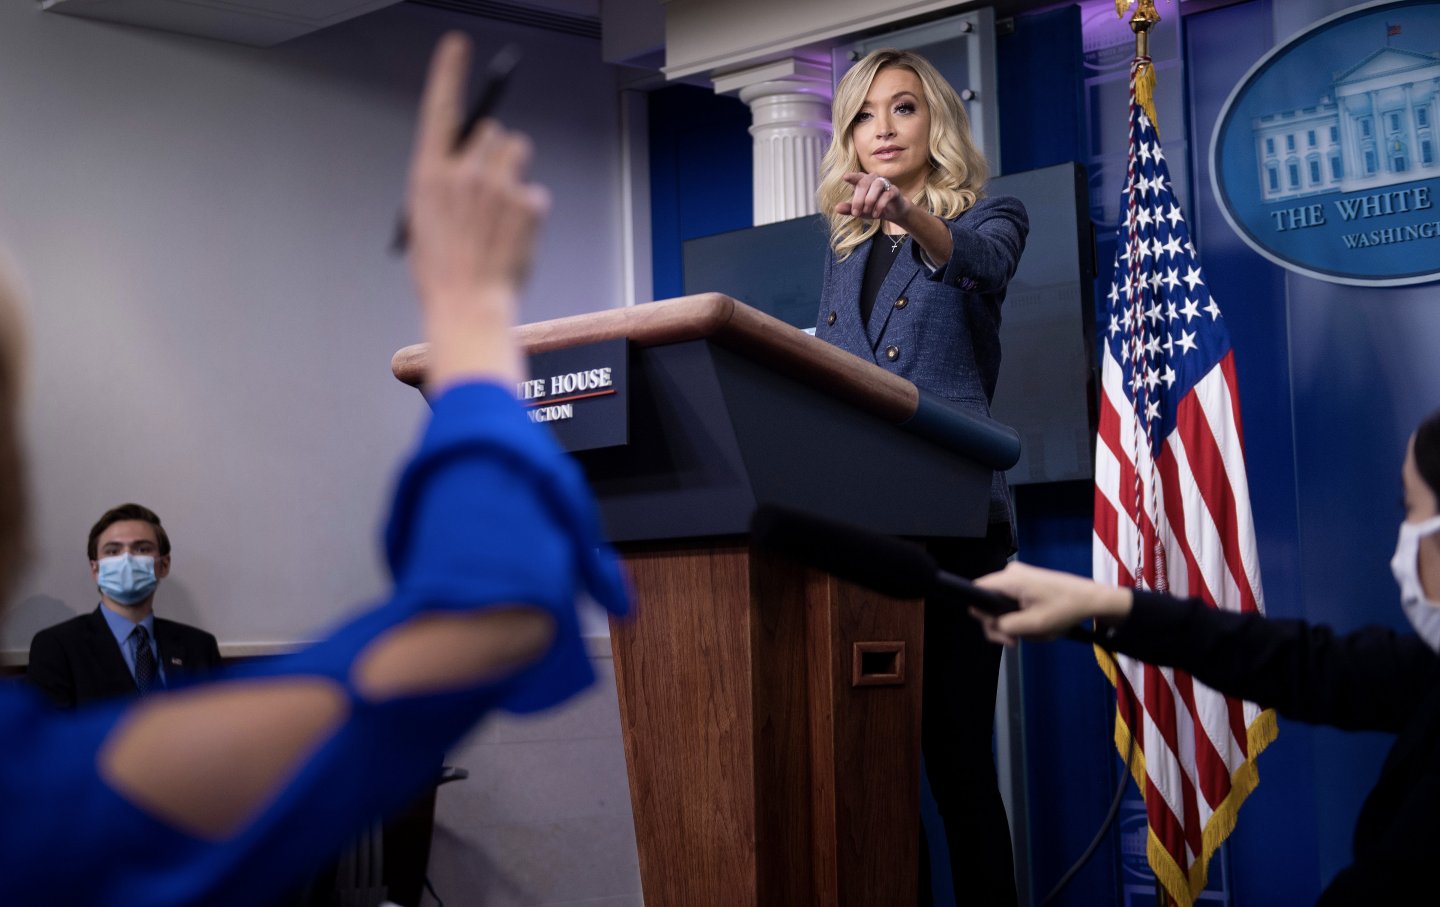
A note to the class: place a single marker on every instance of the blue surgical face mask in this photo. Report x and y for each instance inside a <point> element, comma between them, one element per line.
<point>127,578</point>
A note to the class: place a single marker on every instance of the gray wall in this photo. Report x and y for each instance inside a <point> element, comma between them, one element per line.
<point>203,229</point>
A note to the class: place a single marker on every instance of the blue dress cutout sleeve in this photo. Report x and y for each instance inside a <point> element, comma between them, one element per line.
<point>488,511</point>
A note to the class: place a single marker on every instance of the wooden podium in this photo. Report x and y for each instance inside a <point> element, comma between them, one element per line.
<point>771,713</point>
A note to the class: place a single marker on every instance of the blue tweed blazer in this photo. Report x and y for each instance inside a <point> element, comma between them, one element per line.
<point>940,330</point>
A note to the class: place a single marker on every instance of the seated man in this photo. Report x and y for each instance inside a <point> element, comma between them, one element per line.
<point>121,648</point>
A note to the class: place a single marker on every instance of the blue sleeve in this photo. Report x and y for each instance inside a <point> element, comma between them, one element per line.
<point>986,242</point>
<point>489,511</point>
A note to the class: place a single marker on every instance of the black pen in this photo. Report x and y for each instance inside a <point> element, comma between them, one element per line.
<point>496,75</point>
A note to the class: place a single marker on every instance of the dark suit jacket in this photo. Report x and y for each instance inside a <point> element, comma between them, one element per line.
<point>78,661</point>
<point>941,332</point>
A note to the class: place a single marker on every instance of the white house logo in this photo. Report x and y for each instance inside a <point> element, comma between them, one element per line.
<point>1326,157</point>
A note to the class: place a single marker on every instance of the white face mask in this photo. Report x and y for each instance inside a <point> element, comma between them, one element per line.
<point>1424,614</point>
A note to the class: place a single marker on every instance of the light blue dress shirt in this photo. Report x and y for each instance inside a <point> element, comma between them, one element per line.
<point>122,627</point>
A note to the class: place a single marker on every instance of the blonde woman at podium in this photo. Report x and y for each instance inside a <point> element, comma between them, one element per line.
<point>232,792</point>
<point>918,267</point>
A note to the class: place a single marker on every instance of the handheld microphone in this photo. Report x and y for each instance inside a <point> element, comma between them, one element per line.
<point>888,565</point>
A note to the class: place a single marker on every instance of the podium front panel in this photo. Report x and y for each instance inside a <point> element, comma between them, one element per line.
<point>713,434</point>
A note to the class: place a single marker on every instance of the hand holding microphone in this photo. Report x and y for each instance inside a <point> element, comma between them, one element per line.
<point>888,565</point>
<point>1050,604</point>
<point>1019,601</point>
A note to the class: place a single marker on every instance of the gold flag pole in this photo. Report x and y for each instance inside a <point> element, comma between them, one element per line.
<point>1144,19</point>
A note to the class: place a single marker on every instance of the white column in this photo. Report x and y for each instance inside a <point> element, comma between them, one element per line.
<point>1407,128</point>
<point>1348,167</point>
<point>789,103</point>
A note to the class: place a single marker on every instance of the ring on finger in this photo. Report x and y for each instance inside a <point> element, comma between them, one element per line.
<point>885,185</point>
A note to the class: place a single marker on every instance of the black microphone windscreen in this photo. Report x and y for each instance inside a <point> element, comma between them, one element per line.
<point>888,565</point>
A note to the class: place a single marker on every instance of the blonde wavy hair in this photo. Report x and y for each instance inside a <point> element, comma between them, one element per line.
<point>14,501</point>
<point>957,168</point>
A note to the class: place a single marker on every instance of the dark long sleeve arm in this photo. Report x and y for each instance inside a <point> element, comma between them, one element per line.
<point>986,245</point>
<point>1372,679</point>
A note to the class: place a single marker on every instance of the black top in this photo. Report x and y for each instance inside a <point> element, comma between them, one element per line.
<point>883,252</point>
<point>1372,679</point>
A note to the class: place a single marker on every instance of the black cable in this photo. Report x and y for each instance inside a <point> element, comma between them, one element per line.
<point>431,888</point>
<point>1109,815</point>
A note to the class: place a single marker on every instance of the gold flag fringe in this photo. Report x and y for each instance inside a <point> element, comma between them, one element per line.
<point>1184,887</point>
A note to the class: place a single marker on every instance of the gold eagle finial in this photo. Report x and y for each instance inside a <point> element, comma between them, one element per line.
<point>1144,19</point>
<point>1145,10</point>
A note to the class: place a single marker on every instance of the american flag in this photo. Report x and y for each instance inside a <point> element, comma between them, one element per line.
<point>1172,513</point>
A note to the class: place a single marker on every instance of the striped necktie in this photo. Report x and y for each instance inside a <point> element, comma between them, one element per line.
<point>145,668</point>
